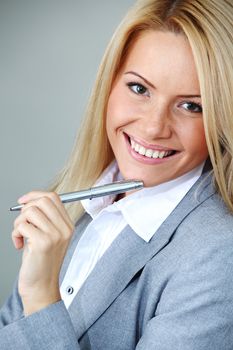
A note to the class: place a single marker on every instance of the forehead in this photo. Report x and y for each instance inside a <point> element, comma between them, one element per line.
<point>161,52</point>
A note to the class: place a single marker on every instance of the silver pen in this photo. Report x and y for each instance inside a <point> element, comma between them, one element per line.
<point>98,191</point>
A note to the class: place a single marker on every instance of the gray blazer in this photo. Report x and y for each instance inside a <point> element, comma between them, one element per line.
<point>175,292</point>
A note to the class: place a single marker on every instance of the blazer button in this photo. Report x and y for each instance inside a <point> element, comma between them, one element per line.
<point>69,290</point>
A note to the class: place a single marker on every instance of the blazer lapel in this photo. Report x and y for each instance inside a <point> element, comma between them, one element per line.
<point>79,230</point>
<point>125,257</point>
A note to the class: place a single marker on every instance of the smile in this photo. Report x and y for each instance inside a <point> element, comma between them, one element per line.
<point>147,152</point>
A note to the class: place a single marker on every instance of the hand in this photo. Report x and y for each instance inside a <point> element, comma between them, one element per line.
<point>44,230</point>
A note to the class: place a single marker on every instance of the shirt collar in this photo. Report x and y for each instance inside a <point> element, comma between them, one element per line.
<point>96,205</point>
<point>147,209</point>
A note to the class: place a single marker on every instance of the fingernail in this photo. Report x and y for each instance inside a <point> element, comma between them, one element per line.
<point>22,199</point>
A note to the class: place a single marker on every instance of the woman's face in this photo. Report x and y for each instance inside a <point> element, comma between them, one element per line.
<point>154,114</point>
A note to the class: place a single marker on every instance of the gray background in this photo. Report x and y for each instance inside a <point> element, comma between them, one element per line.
<point>49,54</point>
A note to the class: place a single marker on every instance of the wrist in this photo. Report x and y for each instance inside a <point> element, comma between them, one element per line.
<point>38,302</point>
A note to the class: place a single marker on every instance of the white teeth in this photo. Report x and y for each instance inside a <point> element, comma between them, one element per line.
<point>142,150</point>
<point>148,152</point>
<point>155,154</point>
<point>161,154</point>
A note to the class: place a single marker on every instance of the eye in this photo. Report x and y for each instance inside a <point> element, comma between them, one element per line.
<point>138,89</point>
<point>192,107</point>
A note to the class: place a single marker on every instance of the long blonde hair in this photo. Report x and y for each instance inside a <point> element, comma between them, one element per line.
<point>208,26</point>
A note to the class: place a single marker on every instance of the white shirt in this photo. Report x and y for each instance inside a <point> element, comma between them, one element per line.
<point>110,218</point>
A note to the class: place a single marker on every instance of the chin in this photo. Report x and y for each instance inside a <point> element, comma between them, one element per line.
<point>147,180</point>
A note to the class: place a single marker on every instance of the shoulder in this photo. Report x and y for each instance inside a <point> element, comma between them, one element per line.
<point>204,240</point>
<point>211,221</point>
<point>207,218</point>
<point>201,251</point>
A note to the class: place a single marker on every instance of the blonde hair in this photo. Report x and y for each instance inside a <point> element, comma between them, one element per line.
<point>208,26</point>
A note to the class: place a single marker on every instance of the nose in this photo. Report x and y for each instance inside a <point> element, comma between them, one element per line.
<point>156,122</point>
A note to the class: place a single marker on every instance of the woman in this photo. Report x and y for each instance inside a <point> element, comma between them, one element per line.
<point>154,269</point>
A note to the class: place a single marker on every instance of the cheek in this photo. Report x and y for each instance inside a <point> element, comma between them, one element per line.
<point>111,118</point>
<point>118,112</point>
<point>194,140</point>
<point>112,108</point>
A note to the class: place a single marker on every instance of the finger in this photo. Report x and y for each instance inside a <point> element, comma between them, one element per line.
<point>18,242</point>
<point>24,230</point>
<point>60,206</point>
<point>33,215</point>
<point>53,196</point>
<point>27,197</point>
<point>36,240</point>
<point>49,215</point>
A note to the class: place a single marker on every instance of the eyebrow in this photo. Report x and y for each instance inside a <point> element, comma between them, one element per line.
<point>138,75</point>
<point>150,84</point>
<point>190,96</point>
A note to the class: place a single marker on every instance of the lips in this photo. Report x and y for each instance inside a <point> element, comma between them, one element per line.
<point>149,151</point>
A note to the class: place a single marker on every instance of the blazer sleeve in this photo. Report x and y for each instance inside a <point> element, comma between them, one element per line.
<point>49,328</point>
<point>195,309</point>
